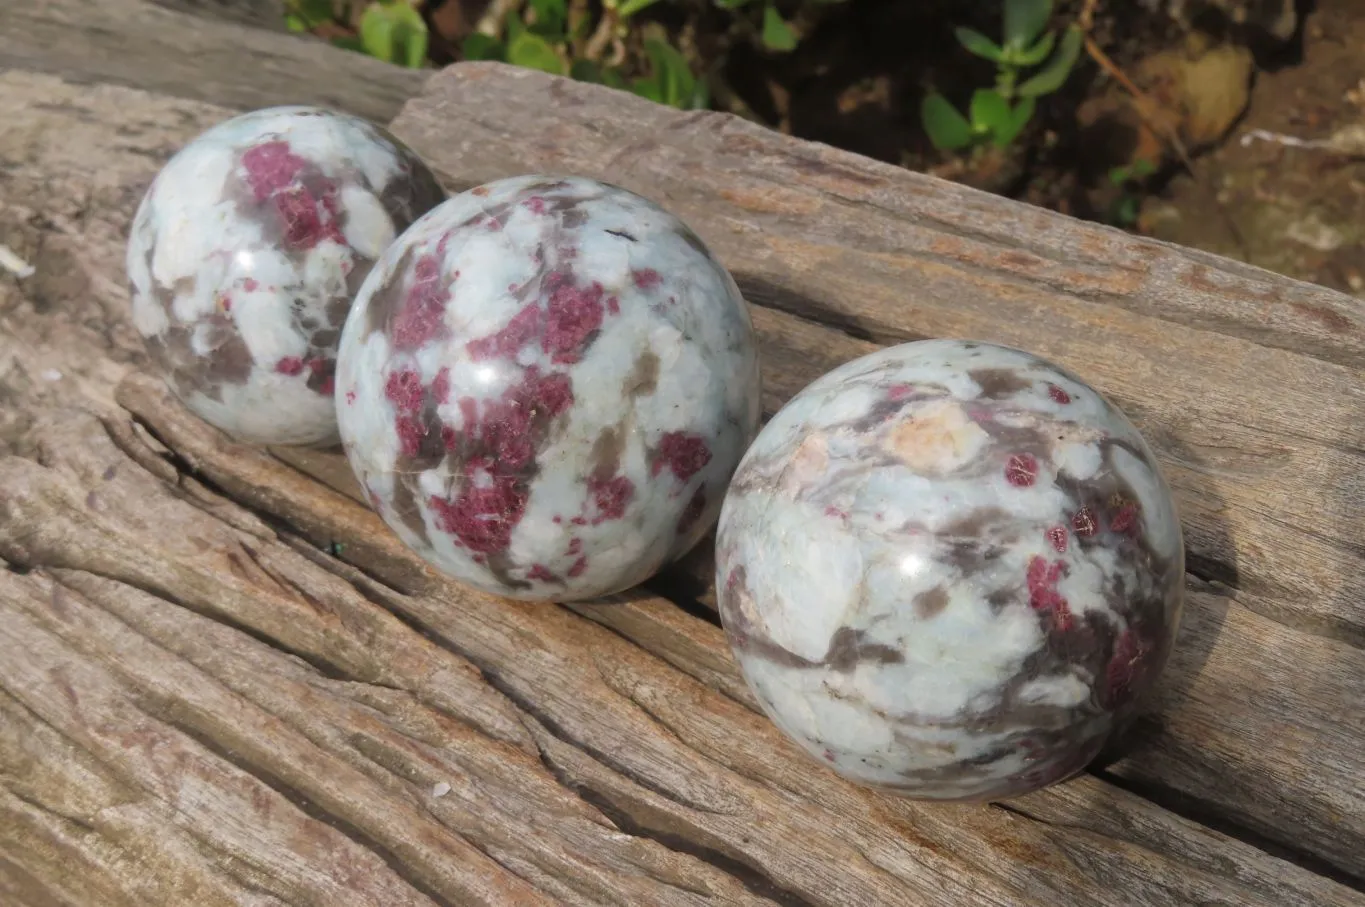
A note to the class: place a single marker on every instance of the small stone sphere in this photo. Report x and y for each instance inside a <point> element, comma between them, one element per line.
<point>246,252</point>
<point>545,385</point>
<point>949,569</point>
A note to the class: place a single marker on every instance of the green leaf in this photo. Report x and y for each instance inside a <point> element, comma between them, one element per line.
<point>585,71</point>
<point>1018,119</point>
<point>648,88</point>
<point>989,111</point>
<point>349,42</point>
<point>412,34</point>
<point>701,95</point>
<point>946,128</point>
<point>777,34</point>
<point>294,23</point>
<point>534,52</point>
<point>1025,20</point>
<point>550,17</point>
<point>613,78</point>
<point>312,12</point>
<point>479,46</point>
<point>394,32</point>
<point>1052,76</point>
<point>376,32</point>
<point>1143,167</point>
<point>672,74</point>
<point>631,7</point>
<point>732,4</point>
<point>979,44</point>
<point>1032,56</point>
<point>514,25</point>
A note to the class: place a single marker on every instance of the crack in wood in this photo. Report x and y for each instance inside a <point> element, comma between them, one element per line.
<point>1191,809</point>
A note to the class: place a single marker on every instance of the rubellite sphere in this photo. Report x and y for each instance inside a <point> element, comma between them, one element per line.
<point>246,252</point>
<point>545,385</point>
<point>949,569</point>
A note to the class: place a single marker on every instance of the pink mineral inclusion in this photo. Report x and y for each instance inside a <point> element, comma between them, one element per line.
<point>1126,665</point>
<point>1021,470</point>
<point>1126,520</point>
<point>483,518</point>
<point>646,278</point>
<point>273,172</point>
<point>573,315</point>
<point>270,167</point>
<point>682,452</point>
<point>1057,537</point>
<point>289,365</point>
<point>508,341</point>
<point>404,390</point>
<point>611,496</point>
<point>504,437</point>
<point>1042,579</point>
<point>1058,394</point>
<point>419,320</point>
<point>1084,523</point>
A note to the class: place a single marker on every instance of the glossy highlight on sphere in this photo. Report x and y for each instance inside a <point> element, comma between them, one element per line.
<point>950,569</point>
<point>545,386</point>
<point>246,252</point>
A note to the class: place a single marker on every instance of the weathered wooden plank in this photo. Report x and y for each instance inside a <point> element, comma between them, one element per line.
<point>695,746</point>
<point>143,44</point>
<point>658,754</point>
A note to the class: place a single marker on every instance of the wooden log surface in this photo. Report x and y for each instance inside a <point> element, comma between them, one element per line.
<point>223,681</point>
<point>165,47</point>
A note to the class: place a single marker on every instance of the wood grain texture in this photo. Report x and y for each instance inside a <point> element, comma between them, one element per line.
<point>201,703</point>
<point>172,51</point>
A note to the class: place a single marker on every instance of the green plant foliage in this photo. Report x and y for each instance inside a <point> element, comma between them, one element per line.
<point>978,44</point>
<point>394,32</point>
<point>1024,20</point>
<point>302,15</point>
<point>1124,210</point>
<point>997,115</point>
<point>631,7</point>
<point>946,128</point>
<point>777,34</point>
<point>551,16</point>
<point>534,52</point>
<point>1052,76</point>
<point>670,80</point>
<point>479,46</point>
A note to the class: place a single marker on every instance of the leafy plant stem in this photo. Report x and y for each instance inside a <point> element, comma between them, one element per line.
<point>493,18</point>
<point>1144,105</point>
<point>601,37</point>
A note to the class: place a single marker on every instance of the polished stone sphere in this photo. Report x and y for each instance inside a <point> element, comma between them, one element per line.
<point>246,252</point>
<point>545,386</point>
<point>950,569</point>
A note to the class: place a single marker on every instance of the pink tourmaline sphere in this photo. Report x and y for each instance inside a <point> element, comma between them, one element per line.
<point>246,252</point>
<point>545,385</point>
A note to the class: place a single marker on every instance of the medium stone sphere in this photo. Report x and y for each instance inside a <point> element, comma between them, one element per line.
<point>545,386</point>
<point>949,569</point>
<point>246,252</point>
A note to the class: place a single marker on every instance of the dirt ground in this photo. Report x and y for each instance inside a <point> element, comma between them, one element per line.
<point>856,84</point>
<point>1299,211</point>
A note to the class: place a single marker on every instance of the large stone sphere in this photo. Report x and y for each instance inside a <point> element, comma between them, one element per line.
<point>949,569</point>
<point>545,386</point>
<point>246,252</point>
